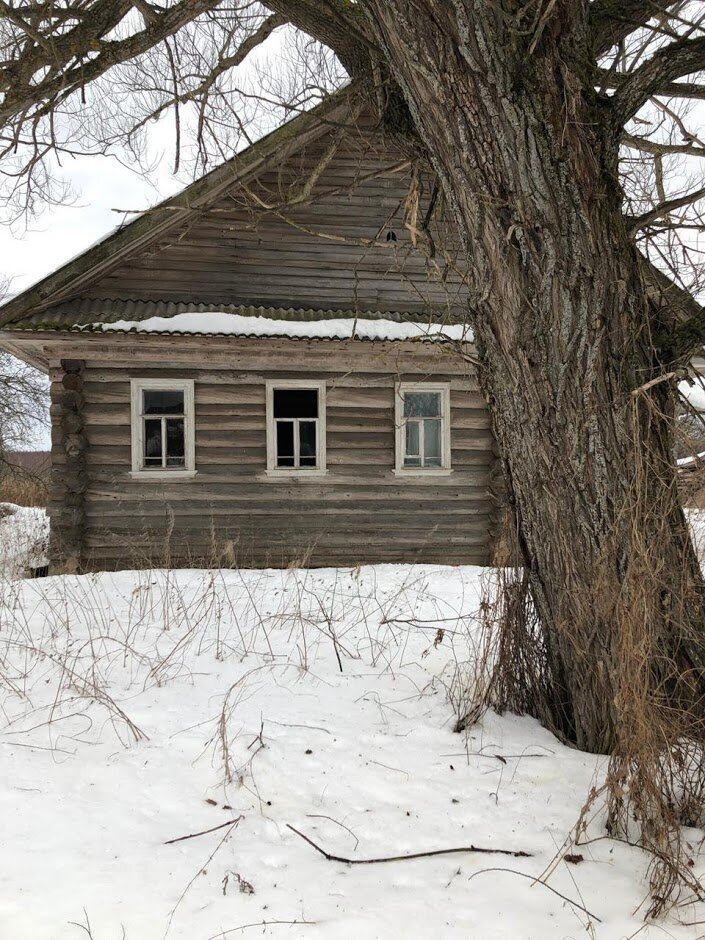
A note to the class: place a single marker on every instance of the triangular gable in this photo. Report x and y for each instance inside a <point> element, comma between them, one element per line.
<point>324,213</point>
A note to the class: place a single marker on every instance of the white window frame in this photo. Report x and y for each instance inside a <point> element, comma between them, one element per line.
<point>320,469</point>
<point>139,471</point>
<point>400,428</point>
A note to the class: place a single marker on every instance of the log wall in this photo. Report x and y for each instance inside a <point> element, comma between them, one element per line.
<point>232,512</point>
<point>69,478</point>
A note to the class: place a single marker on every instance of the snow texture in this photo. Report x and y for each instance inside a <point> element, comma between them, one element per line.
<point>694,394</point>
<point>235,324</point>
<point>140,707</point>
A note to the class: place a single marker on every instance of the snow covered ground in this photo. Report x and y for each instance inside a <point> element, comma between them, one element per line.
<point>24,539</point>
<point>142,707</point>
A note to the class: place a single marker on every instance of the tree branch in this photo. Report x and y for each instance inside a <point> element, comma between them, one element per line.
<point>516,853</point>
<point>226,63</point>
<point>666,65</point>
<point>663,208</point>
<point>682,90</point>
<point>58,48</point>
<point>612,21</point>
<point>616,80</point>
<point>656,148</point>
<point>679,325</point>
<point>339,26</point>
<point>61,81</point>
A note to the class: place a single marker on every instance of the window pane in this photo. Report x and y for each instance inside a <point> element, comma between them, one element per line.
<point>432,442</point>
<point>175,449</point>
<point>162,402</point>
<point>307,443</point>
<point>295,403</point>
<point>285,443</point>
<point>422,404</point>
<point>412,461</point>
<point>412,438</point>
<point>153,442</point>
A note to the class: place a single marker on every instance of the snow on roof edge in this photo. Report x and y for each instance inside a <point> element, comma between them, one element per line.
<point>219,323</point>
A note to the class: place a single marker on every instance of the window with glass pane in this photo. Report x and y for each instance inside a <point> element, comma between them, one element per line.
<point>423,431</point>
<point>296,416</point>
<point>163,429</point>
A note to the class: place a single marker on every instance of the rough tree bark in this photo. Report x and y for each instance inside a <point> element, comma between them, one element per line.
<point>528,162</point>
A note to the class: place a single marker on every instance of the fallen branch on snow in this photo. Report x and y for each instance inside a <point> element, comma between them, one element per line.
<point>204,832</point>
<point>404,858</point>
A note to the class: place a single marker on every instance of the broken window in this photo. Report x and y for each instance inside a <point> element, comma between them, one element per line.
<point>296,423</point>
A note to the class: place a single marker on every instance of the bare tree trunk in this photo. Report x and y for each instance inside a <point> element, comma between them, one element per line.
<point>563,327</point>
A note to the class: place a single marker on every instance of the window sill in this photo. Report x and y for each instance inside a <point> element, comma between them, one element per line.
<point>163,476</point>
<point>422,471</point>
<point>294,474</point>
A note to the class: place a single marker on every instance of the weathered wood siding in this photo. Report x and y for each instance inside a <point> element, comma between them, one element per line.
<point>232,512</point>
<point>69,479</point>
<point>349,245</point>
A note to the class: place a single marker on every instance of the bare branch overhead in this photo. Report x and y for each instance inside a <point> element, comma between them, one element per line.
<point>613,21</point>
<point>664,208</point>
<point>73,59</point>
<point>616,80</point>
<point>676,60</point>
<point>340,26</point>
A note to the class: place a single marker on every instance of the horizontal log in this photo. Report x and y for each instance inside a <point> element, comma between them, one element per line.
<point>198,511</point>
<point>364,545</point>
<point>240,373</point>
<point>119,560</point>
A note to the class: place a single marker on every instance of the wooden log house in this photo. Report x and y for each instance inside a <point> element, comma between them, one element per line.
<point>270,368</point>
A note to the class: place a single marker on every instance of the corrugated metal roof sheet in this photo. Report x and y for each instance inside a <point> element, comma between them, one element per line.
<point>87,315</point>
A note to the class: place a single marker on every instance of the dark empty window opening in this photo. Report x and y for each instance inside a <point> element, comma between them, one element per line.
<point>296,425</point>
<point>391,236</point>
<point>163,429</point>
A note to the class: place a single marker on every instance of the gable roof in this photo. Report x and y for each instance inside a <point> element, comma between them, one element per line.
<point>153,223</point>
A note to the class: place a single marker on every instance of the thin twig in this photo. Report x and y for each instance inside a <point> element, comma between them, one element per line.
<point>342,825</point>
<point>193,835</point>
<point>404,858</point>
<point>538,881</point>
<point>647,385</point>
<point>500,757</point>
<point>261,923</point>
<point>210,858</point>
